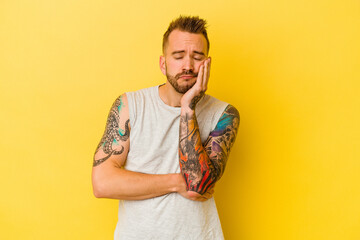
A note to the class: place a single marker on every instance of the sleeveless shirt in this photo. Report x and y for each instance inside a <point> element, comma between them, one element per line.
<point>154,143</point>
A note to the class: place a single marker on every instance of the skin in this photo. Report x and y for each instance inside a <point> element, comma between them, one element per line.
<point>201,165</point>
<point>111,180</point>
<point>185,55</point>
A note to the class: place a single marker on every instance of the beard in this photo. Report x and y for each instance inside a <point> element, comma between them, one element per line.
<point>173,80</point>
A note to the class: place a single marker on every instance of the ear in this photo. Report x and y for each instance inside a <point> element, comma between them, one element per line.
<point>162,64</point>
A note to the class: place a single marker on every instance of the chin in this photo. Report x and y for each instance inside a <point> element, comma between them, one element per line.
<point>181,85</point>
<point>184,88</point>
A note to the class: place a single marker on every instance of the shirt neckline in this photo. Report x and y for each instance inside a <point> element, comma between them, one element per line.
<point>162,103</point>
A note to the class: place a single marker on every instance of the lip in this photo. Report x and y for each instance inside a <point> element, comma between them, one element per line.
<point>187,76</point>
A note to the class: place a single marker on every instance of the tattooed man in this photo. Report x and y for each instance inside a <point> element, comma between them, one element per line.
<point>165,147</point>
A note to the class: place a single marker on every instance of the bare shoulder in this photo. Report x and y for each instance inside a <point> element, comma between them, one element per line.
<point>114,143</point>
<point>230,118</point>
<point>231,111</point>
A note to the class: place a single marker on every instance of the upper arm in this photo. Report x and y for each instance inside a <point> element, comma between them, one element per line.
<point>221,139</point>
<point>115,142</point>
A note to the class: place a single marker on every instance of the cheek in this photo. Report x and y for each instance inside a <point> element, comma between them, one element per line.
<point>173,66</point>
<point>197,66</point>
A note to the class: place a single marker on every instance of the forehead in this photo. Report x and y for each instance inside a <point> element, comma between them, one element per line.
<point>179,40</point>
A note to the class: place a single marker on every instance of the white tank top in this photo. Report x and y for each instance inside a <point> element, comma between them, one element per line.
<point>154,142</point>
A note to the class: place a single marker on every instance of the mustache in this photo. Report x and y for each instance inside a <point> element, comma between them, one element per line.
<point>187,72</point>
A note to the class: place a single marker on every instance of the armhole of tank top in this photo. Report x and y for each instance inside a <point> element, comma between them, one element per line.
<point>131,107</point>
<point>217,115</point>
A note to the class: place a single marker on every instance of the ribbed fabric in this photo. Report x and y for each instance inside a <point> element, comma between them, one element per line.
<point>154,141</point>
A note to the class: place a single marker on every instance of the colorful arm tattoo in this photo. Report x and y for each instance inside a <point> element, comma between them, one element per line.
<point>203,166</point>
<point>110,143</point>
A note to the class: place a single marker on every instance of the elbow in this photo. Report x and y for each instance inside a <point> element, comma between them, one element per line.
<point>101,183</point>
<point>104,185</point>
<point>98,190</point>
<point>97,194</point>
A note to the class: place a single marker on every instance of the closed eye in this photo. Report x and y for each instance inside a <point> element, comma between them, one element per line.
<point>198,57</point>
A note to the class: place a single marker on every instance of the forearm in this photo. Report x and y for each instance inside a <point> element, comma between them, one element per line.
<point>118,183</point>
<point>195,164</point>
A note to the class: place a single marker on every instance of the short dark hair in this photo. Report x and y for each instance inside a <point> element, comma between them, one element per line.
<point>187,24</point>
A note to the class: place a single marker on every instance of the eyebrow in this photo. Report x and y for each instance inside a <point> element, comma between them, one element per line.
<point>182,51</point>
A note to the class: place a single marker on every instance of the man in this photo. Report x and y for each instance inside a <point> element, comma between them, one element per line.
<point>165,147</point>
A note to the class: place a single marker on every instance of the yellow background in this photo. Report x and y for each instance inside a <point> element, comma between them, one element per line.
<point>290,67</point>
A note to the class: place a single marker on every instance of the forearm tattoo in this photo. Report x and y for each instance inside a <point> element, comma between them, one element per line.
<point>110,143</point>
<point>195,100</point>
<point>194,163</point>
<point>203,166</point>
<point>221,139</point>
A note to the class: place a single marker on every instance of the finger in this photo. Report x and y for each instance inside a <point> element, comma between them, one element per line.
<point>208,77</point>
<point>206,67</point>
<point>199,79</point>
<point>208,194</point>
<point>206,73</point>
<point>199,199</point>
<point>211,189</point>
<point>203,199</point>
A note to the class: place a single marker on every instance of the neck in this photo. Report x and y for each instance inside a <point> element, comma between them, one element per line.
<point>169,95</point>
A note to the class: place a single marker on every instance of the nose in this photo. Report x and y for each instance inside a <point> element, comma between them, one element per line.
<point>188,64</point>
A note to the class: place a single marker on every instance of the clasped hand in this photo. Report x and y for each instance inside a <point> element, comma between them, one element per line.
<point>194,196</point>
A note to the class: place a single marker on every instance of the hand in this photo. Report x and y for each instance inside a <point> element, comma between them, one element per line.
<point>198,197</point>
<point>192,97</point>
<point>191,195</point>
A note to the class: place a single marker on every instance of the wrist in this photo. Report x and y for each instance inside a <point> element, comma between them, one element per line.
<point>186,110</point>
<point>179,183</point>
